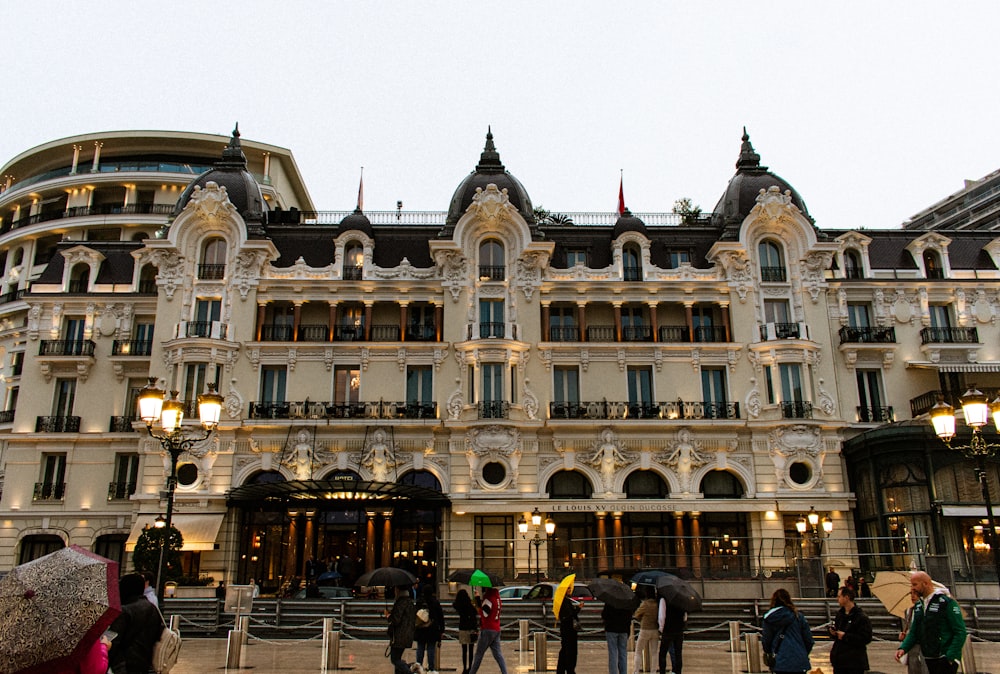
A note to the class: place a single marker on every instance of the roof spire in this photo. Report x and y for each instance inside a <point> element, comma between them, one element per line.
<point>233,156</point>
<point>749,160</point>
<point>489,160</point>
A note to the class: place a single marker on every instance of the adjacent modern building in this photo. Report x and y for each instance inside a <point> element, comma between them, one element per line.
<point>668,391</point>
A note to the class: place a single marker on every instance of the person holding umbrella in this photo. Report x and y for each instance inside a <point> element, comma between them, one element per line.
<point>489,634</point>
<point>139,627</point>
<point>467,624</point>
<point>671,620</point>
<point>402,625</point>
<point>617,621</point>
<point>649,630</point>
<point>569,628</point>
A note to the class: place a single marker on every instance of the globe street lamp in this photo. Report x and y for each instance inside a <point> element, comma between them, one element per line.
<point>812,524</point>
<point>977,410</point>
<point>154,407</point>
<point>536,523</point>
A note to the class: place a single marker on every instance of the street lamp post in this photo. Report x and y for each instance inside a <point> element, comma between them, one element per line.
<point>154,407</point>
<point>977,410</point>
<point>812,524</point>
<point>536,523</point>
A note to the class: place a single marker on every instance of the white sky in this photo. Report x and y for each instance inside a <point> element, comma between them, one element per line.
<point>872,110</point>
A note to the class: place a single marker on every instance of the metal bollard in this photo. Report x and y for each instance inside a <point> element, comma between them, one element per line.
<point>754,653</point>
<point>234,649</point>
<point>734,636</point>
<point>522,635</point>
<point>331,646</point>
<point>541,652</point>
<point>968,658</point>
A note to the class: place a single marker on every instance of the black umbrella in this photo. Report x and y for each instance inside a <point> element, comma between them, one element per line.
<point>386,576</point>
<point>465,576</point>
<point>613,593</point>
<point>678,593</point>
<point>648,577</point>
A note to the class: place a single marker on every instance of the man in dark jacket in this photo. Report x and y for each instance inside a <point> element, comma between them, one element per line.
<point>617,622</point>
<point>851,632</point>
<point>937,625</point>
<point>402,625</point>
<point>139,627</point>
<point>672,621</point>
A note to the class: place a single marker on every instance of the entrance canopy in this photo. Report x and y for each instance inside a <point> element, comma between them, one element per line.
<point>336,493</point>
<point>198,531</point>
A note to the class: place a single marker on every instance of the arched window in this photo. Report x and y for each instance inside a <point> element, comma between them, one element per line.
<point>79,278</point>
<point>852,265</point>
<point>266,477</point>
<point>645,484</point>
<point>721,484</point>
<point>932,265</point>
<point>491,261</point>
<point>354,261</point>
<point>38,545</point>
<point>421,478</point>
<point>631,262</point>
<point>17,258</point>
<point>147,280</point>
<point>111,546</point>
<point>772,261</point>
<point>569,484</point>
<point>213,259</point>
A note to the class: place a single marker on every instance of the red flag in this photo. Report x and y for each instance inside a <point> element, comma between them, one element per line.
<point>361,190</point>
<point>621,198</point>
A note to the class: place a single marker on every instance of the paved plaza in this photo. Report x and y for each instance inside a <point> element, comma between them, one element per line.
<point>363,657</point>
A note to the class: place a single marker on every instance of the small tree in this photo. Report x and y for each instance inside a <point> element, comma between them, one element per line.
<point>146,557</point>
<point>689,212</point>
<point>546,217</point>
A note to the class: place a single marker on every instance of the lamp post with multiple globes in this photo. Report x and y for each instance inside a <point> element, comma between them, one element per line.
<point>155,407</point>
<point>536,523</point>
<point>811,524</point>
<point>977,410</point>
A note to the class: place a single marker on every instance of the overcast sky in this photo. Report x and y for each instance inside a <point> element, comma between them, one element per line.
<point>872,110</point>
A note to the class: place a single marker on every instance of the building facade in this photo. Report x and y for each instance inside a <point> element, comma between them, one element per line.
<point>671,391</point>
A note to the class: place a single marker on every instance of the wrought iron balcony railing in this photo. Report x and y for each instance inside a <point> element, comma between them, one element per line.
<point>493,409</point>
<point>120,491</point>
<point>949,336</point>
<point>308,409</point>
<point>796,409</point>
<point>49,491</point>
<point>6,416</point>
<point>669,410</point>
<point>353,273</point>
<point>564,333</point>
<point>487,330</point>
<point>492,272</point>
<point>773,274</point>
<point>57,424</point>
<point>867,335</point>
<point>66,347</point>
<point>421,332</point>
<point>211,272</point>
<point>348,333</point>
<point>131,347</point>
<point>637,333</point>
<point>876,414</point>
<point>121,424</point>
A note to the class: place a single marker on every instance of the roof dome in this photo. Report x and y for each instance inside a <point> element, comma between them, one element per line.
<point>489,170</point>
<point>241,187</point>
<point>356,221</point>
<point>741,195</point>
<point>627,223</point>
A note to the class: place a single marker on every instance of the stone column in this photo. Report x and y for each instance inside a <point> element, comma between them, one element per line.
<point>386,540</point>
<point>618,321</point>
<point>439,321</point>
<point>546,327</point>
<point>724,306</point>
<point>333,321</point>
<point>97,157</point>
<point>76,159</point>
<point>682,560</point>
<point>696,544</point>
<point>689,318</point>
<point>402,321</point>
<point>370,542</point>
<point>368,320</point>
<point>602,541</point>
<point>296,320</point>
<point>619,554</point>
<point>581,318</point>
<point>261,317</point>
<point>652,321</point>
<point>291,559</point>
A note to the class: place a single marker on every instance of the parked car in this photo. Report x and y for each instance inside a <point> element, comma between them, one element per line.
<point>514,591</point>
<point>327,592</point>
<point>544,592</point>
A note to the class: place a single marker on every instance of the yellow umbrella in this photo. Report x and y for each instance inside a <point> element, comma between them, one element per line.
<point>565,585</point>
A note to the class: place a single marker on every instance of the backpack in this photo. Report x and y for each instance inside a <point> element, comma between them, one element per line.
<point>166,651</point>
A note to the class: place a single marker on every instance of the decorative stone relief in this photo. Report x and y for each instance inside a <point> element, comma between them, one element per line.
<point>528,272</point>
<point>440,353</point>
<point>683,455</point>
<point>608,456</point>
<point>530,401</point>
<point>738,274</point>
<point>170,268</point>
<point>792,444</point>
<point>982,309</point>
<point>815,266</point>
<point>293,356</point>
<point>902,308</point>
<point>246,270</point>
<point>752,401</point>
<point>453,268</point>
<point>494,443</point>
<point>826,403</point>
<point>379,455</point>
<point>455,401</point>
<point>401,358</point>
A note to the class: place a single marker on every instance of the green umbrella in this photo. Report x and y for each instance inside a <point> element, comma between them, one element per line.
<point>480,579</point>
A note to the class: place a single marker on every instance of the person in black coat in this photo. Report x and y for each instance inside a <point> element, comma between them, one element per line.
<point>569,624</point>
<point>617,622</point>
<point>429,636</point>
<point>851,632</point>
<point>139,627</point>
<point>402,624</point>
<point>468,626</point>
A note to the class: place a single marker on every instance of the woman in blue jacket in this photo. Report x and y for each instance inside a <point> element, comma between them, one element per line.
<point>786,635</point>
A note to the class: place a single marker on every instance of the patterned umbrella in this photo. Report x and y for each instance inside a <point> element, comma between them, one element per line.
<point>53,608</point>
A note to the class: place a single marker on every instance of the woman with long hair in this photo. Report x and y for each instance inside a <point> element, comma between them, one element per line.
<point>468,619</point>
<point>786,635</point>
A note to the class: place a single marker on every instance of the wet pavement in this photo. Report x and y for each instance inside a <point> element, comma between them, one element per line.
<point>364,657</point>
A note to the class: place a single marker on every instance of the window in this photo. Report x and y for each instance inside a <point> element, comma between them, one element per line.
<point>492,389</point>
<point>213,260</point>
<point>16,363</point>
<point>491,318</point>
<point>645,484</point>
<point>791,382</point>
<point>206,312</point>
<point>940,315</point>
<point>62,405</point>
<point>38,545</point>
<point>772,264</point>
<point>126,476</point>
<point>858,315</point>
<point>421,322</point>
<point>492,537</point>
<point>491,261</point>
<point>932,265</point>
<point>721,484</point>
<point>351,326</point>
<point>419,384</point>
<point>776,311</point>
<point>272,383</point>
<point>575,257</point>
<point>632,267</point>
<point>346,384</point>
<point>79,278</point>
<point>675,258</point>
<point>147,279</point>
<point>12,399</point>
<point>53,482</point>
<point>640,392</point>
<point>871,401</point>
<point>111,546</point>
<point>196,378</point>
<point>354,261</point>
<point>74,329</point>
<point>852,265</point>
<point>703,323</point>
<point>713,392</point>
<point>565,384</point>
<point>562,325</point>
<point>634,325</point>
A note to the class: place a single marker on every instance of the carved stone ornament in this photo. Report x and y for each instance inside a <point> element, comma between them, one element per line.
<point>608,455</point>
<point>737,268</point>
<point>211,203</point>
<point>246,270</point>
<point>492,205</point>
<point>494,443</point>
<point>683,455</point>
<point>796,443</point>
<point>814,267</point>
<point>233,402</point>
<point>169,264</point>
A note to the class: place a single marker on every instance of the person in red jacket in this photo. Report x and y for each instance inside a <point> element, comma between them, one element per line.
<point>489,630</point>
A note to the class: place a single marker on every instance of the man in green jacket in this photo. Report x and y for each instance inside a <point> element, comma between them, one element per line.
<point>937,626</point>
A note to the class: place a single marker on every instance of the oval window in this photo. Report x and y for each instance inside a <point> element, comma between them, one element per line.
<point>494,473</point>
<point>187,474</point>
<point>800,472</point>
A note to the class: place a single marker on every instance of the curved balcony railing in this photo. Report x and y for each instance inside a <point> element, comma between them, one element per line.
<point>493,409</point>
<point>120,491</point>
<point>876,414</point>
<point>86,211</point>
<point>796,409</point>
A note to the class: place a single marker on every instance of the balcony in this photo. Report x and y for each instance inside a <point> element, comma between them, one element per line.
<point>274,332</point>
<point>211,272</point>
<point>601,333</point>
<point>773,274</point>
<point>66,347</point>
<point>671,410</point>
<point>420,332</point>
<point>131,347</point>
<point>796,409</point>
<point>867,335</point>
<point>925,401</point>
<point>385,333</point>
<point>637,333</point>
<point>492,330</point>
<point>772,331</point>
<point>49,491</point>
<point>313,333</point>
<point>7,417</point>
<point>308,409</point>
<point>78,286</point>
<point>353,273</point>
<point>57,424</point>
<point>701,333</point>
<point>147,287</point>
<point>121,424</point>
<point>492,272</point>
<point>86,211</point>
<point>564,333</point>
<point>493,409</point>
<point>949,336</point>
<point>204,329</point>
<point>854,273</point>
<point>120,491</point>
<point>12,296</point>
<point>883,415</point>
<point>632,273</point>
<point>348,333</point>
